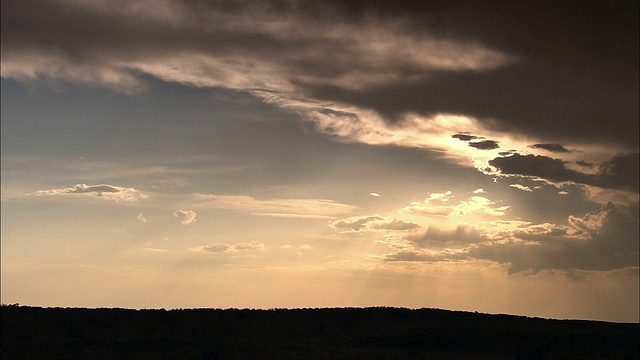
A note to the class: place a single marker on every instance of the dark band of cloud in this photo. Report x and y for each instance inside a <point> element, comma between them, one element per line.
<point>621,172</point>
<point>580,84</point>
<point>464,137</point>
<point>485,144</point>
<point>558,148</point>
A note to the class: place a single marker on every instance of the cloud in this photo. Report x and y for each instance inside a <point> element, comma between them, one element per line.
<point>479,191</point>
<point>484,144</point>
<point>394,224</point>
<point>355,223</point>
<point>557,148</point>
<point>521,187</point>
<point>369,223</point>
<point>215,248</point>
<point>435,237</point>
<point>375,194</point>
<point>253,46</point>
<point>141,218</point>
<point>304,208</point>
<point>620,172</point>
<point>426,256</point>
<point>185,217</point>
<point>601,241</point>
<point>402,75</point>
<point>440,204</point>
<point>226,248</point>
<point>464,137</point>
<point>253,245</point>
<point>107,192</point>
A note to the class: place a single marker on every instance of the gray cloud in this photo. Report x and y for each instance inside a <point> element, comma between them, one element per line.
<point>395,225</point>
<point>464,137</point>
<point>605,240</point>
<point>436,237</point>
<point>558,148</point>
<point>620,172</point>
<point>578,84</point>
<point>354,224</point>
<point>554,94</point>
<point>216,247</point>
<point>83,189</point>
<point>426,257</point>
<point>484,144</point>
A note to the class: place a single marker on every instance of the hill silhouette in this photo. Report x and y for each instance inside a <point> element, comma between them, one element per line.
<point>329,333</point>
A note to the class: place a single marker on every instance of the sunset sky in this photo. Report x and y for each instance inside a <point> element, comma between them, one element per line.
<point>463,155</point>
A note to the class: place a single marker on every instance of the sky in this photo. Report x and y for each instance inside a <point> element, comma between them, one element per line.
<point>465,155</point>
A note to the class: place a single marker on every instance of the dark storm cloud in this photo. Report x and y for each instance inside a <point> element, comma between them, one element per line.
<point>578,79</point>
<point>609,241</point>
<point>464,137</point>
<point>558,148</point>
<point>484,144</point>
<point>557,70</point>
<point>620,172</point>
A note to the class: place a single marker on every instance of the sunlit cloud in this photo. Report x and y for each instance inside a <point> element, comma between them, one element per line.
<point>302,208</point>
<point>106,192</point>
<point>442,204</point>
<point>226,248</point>
<point>141,218</point>
<point>521,187</point>
<point>371,223</point>
<point>185,217</point>
<point>602,240</point>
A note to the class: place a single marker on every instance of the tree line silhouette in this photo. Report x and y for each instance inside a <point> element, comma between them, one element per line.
<point>327,333</point>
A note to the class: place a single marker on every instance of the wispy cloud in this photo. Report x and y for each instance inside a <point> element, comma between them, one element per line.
<point>521,187</point>
<point>310,208</point>
<point>226,248</point>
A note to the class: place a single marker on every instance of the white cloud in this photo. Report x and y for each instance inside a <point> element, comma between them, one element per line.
<point>185,217</point>
<point>521,187</point>
<point>441,204</point>
<point>141,218</point>
<point>479,191</point>
<point>375,194</point>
